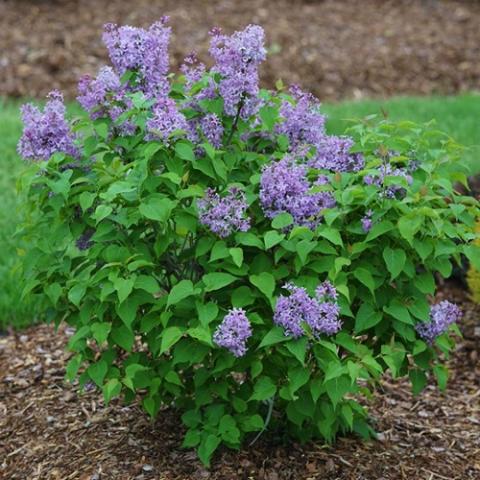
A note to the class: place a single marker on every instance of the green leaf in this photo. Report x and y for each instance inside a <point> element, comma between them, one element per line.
<point>441,374</point>
<point>191,439</point>
<point>237,256</point>
<point>272,238</point>
<point>102,212</point>
<point>97,372</point>
<point>147,283</point>
<point>158,209</point>
<point>123,337</point>
<point>265,282</point>
<point>181,290</point>
<point>249,239</point>
<point>72,367</point>
<point>395,259</point>
<point>219,251</point>
<point>76,293</point>
<point>127,311</point>
<point>337,388</point>
<point>264,389</point>
<point>425,282</point>
<point>202,334</point>
<point>100,331</point>
<point>207,313</point>
<point>409,226</point>
<point>304,247</point>
<point>331,235</point>
<point>124,287</point>
<point>366,318</point>
<point>170,336</point>
<point>399,311</point>
<point>228,430</point>
<point>379,229</point>
<point>242,296</point>
<point>86,200</point>
<point>365,277</point>
<point>208,445</point>
<point>298,348</point>
<point>275,335</point>
<point>54,291</point>
<point>418,379</point>
<point>252,423</point>
<point>111,389</point>
<point>282,220</point>
<point>184,151</point>
<point>216,281</point>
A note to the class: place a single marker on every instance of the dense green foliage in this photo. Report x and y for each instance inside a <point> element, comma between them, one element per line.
<point>457,116</point>
<point>147,295</point>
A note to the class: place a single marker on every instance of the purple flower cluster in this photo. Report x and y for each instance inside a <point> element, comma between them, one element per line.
<point>304,125</point>
<point>192,69</point>
<point>237,58</point>
<point>284,187</point>
<point>442,315</point>
<point>226,215</point>
<point>46,133</point>
<point>165,120</point>
<point>333,153</point>
<point>233,332</point>
<point>142,51</point>
<point>84,241</point>
<point>321,313</point>
<point>212,129</point>
<point>367,221</point>
<point>96,95</point>
<point>386,170</point>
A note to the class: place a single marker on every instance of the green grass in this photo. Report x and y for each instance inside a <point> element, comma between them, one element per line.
<point>13,310</point>
<point>459,116</point>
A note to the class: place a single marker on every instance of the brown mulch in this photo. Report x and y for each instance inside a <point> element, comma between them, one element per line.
<point>49,431</point>
<point>334,48</point>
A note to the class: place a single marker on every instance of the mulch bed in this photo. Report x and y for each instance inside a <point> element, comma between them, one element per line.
<point>334,48</point>
<point>49,431</point>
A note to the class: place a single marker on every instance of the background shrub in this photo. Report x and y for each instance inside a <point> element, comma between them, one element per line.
<point>217,251</point>
<point>473,276</point>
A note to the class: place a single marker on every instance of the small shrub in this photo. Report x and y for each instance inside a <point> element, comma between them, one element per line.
<point>218,252</point>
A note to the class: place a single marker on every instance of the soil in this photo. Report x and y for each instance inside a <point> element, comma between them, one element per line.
<point>50,431</point>
<point>337,49</point>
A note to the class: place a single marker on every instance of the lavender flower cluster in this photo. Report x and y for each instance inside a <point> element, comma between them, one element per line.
<point>142,51</point>
<point>367,221</point>
<point>233,332</point>
<point>386,170</point>
<point>237,58</point>
<point>442,315</point>
<point>321,313</point>
<point>304,125</point>
<point>166,119</point>
<point>284,187</point>
<point>96,95</point>
<point>46,133</point>
<point>224,215</point>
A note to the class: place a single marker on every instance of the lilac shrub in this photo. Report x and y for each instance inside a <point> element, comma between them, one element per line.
<point>217,251</point>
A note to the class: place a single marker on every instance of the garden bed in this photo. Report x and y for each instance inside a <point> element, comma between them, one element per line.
<point>48,431</point>
<point>334,49</point>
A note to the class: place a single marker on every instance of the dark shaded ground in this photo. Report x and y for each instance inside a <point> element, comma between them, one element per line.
<point>48,431</point>
<point>335,48</point>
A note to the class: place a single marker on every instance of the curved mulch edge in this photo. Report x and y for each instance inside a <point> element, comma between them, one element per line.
<point>48,431</point>
<point>336,49</point>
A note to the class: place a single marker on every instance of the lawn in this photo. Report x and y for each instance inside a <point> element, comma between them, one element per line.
<point>459,116</point>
